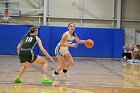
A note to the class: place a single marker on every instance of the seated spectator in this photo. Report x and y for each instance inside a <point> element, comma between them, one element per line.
<point>127,53</point>
<point>136,53</point>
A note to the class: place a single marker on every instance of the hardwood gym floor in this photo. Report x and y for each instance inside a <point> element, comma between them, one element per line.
<point>88,75</point>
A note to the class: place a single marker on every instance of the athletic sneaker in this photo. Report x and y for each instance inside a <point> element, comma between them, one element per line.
<point>66,75</point>
<point>66,83</point>
<point>17,80</point>
<point>55,77</point>
<point>46,80</point>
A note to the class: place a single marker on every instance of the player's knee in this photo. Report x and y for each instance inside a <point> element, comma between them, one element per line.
<point>45,62</point>
<point>71,63</point>
<point>26,66</point>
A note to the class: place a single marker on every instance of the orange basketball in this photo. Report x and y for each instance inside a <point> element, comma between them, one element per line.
<point>89,43</point>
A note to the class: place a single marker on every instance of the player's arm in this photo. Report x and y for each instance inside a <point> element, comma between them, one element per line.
<point>79,40</point>
<point>39,42</point>
<point>19,46</point>
<point>63,41</point>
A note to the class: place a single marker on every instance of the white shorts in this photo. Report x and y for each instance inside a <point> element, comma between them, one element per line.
<point>61,51</point>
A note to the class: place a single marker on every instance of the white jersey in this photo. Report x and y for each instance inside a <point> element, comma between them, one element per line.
<point>62,50</point>
<point>69,39</point>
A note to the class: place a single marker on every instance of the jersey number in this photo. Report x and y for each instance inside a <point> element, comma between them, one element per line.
<point>29,39</point>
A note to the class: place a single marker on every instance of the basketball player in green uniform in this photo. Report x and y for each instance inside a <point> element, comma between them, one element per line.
<point>27,56</point>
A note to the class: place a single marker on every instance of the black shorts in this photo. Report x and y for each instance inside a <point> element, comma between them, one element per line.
<point>27,55</point>
<point>128,55</point>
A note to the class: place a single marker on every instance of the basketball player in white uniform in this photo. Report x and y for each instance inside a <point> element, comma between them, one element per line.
<point>62,52</point>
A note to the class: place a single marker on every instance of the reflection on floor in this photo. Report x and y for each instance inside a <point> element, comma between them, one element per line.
<point>21,88</point>
<point>131,75</point>
<point>89,75</point>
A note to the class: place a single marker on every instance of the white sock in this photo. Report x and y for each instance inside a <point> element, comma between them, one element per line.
<point>44,75</point>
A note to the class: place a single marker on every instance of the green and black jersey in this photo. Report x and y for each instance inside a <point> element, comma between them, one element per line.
<point>26,52</point>
<point>29,42</point>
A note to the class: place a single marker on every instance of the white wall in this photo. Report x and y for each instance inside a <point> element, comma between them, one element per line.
<point>131,9</point>
<point>63,8</point>
<point>89,13</point>
<point>99,8</point>
<point>131,14</point>
<point>132,35</point>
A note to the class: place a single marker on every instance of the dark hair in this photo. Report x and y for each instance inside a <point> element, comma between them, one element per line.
<point>73,31</point>
<point>32,30</point>
<point>70,24</point>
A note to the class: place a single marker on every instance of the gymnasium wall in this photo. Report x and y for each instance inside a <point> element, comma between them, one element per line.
<point>60,12</point>
<point>108,41</point>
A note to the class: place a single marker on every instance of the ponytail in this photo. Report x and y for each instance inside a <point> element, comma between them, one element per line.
<point>32,30</point>
<point>74,34</point>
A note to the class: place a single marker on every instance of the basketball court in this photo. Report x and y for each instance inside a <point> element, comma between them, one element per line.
<point>88,75</point>
<point>101,74</point>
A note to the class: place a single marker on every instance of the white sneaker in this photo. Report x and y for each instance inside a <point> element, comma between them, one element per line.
<point>55,77</point>
<point>66,79</point>
<point>66,83</point>
<point>66,75</point>
<point>132,61</point>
